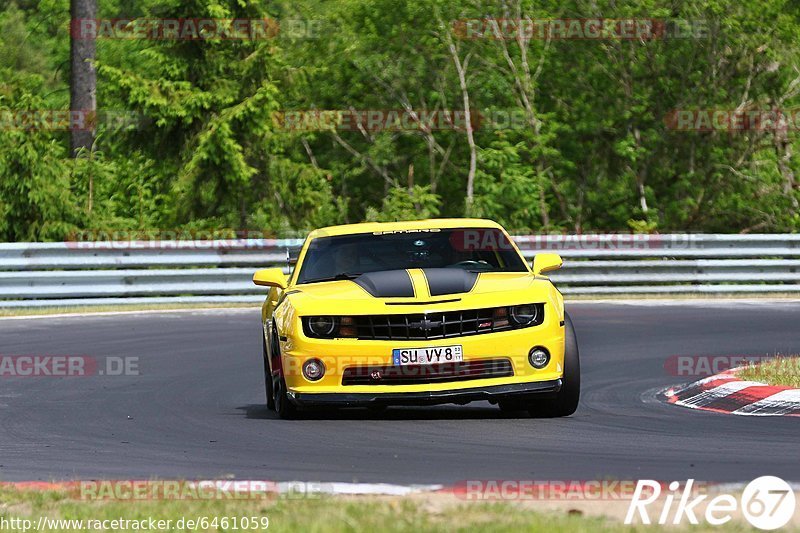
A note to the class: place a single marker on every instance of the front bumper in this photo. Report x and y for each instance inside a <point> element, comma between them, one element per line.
<point>515,391</point>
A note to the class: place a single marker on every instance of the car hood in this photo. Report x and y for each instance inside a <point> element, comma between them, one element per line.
<point>409,291</point>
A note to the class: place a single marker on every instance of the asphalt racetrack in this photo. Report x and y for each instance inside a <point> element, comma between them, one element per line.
<point>196,411</point>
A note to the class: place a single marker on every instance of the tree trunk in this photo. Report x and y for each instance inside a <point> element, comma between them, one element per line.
<point>461,70</point>
<point>783,153</point>
<point>84,78</point>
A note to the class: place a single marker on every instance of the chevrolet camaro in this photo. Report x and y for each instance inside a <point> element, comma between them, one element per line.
<point>417,313</point>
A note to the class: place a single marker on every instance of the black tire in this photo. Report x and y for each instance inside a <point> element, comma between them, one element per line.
<point>268,388</point>
<point>282,404</point>
<point>512,406</point>
<point>566,401</point>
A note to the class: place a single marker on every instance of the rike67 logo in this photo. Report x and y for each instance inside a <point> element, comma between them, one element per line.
<point>767,502</point>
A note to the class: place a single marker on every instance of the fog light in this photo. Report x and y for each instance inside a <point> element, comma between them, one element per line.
<point>539,357</point>
<point>313,369</point>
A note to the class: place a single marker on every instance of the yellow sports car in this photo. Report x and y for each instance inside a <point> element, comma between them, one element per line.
<point>422,312</point>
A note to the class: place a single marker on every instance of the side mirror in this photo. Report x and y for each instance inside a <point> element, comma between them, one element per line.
<point>292,255</point>
<point>270,277</point>
<point>546,262</point>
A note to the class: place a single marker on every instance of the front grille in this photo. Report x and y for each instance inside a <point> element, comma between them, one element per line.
<point>436,373</point>
<point>438,325</point>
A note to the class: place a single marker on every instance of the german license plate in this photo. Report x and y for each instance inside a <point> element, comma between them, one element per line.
<point>427,356</point>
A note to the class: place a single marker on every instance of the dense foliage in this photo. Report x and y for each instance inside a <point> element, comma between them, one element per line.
<point>591,148</point>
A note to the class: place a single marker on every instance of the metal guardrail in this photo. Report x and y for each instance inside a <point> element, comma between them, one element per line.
<point>106,273</point>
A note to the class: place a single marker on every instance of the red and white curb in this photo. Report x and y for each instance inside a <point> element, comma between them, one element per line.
<point>726,393</point>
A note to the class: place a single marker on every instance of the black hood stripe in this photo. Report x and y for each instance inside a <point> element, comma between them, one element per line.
<point>443,281</point>
<point>387,284</point>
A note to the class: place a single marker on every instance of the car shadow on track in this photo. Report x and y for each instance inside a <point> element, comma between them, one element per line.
<point>438,412</point>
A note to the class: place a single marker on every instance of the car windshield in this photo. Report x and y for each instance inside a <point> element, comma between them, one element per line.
<point>347,256</point>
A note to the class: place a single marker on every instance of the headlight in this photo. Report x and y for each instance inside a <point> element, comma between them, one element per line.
<point>327,327</point>
<point>322,326</point>
<point>522,315</point>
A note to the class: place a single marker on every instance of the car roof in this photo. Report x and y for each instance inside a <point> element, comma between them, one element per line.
<point>434,223</point>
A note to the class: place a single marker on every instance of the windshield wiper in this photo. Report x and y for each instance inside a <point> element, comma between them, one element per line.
<point>337,277</point>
